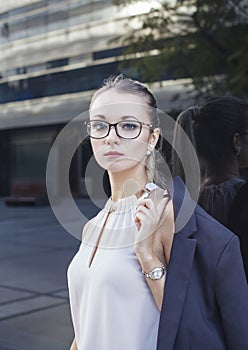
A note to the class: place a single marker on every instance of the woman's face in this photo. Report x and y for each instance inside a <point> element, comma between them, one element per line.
<point>112,152</point>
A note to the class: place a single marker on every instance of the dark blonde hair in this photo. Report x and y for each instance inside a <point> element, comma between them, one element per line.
<point>130,86</point>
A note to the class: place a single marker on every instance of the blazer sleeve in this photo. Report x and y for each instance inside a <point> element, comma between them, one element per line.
<point>232,295</point>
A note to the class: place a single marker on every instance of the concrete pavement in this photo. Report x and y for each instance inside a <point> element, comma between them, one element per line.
<point>34,255</point>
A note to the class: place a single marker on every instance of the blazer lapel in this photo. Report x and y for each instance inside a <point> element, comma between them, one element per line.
<point>176,286</point>
<point>178,276</point>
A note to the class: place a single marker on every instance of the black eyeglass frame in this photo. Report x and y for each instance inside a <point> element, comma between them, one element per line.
<point>115,126</point>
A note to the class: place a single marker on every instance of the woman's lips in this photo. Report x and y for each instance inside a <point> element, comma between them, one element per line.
<point>113,154</point>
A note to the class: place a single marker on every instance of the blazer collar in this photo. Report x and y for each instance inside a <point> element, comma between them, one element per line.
<point>184,207</point>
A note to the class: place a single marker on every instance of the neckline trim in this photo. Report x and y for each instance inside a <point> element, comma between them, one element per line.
<point>124,204</point>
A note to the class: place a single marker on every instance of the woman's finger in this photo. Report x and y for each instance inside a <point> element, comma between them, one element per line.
<point>146,203</point>
<point>163,203</point>
<point>143,210</point>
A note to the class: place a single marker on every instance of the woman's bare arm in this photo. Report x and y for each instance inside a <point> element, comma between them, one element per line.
<point>155,223</point>
<point>74,345</point>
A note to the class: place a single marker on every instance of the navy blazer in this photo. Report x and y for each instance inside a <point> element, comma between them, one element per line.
<point>205,303</point>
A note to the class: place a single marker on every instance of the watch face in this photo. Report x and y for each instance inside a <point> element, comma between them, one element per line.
<point>157,273</point>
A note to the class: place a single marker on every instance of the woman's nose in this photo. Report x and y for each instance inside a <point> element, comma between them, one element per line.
<point>112,136</point>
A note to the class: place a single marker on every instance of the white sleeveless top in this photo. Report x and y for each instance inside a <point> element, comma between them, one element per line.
<point>111,303</point>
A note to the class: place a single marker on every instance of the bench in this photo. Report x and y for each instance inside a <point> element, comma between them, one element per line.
<point>27,192</point>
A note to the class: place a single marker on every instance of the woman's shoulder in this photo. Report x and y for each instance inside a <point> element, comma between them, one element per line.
<point>225,190</point>
<point>85,228</point>
<point>209,230</point>
<point>217,199</point>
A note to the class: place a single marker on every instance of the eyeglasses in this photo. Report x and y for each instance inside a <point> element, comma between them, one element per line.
<point>128,129</point>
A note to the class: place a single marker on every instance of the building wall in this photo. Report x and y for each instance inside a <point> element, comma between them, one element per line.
<point>54,53</point>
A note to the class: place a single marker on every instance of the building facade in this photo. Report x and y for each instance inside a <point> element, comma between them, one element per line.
<point>54,53</point>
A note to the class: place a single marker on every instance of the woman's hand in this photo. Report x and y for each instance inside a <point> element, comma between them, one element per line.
<point>148,219</point>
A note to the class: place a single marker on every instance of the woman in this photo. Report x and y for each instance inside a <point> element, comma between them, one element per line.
<point>137,282</point>
<point>217,129</point>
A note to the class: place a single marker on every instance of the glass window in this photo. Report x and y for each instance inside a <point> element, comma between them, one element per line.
<point>29,152</point>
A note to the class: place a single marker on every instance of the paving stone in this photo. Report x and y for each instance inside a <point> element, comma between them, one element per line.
<point>63,294</point>
<point>43,272</point>
<point>8,294</point>
<point>49,329</point>
<point>20,307</point>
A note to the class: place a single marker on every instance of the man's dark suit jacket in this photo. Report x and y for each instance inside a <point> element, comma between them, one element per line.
<point>205,304</point>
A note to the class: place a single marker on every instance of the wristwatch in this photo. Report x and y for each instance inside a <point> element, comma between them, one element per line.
<point>156,273</point>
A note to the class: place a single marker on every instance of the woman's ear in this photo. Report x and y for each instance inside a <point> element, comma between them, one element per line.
<point>154,137</point>
<point>237,143</point>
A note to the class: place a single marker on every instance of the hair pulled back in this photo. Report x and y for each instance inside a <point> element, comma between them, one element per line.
<point>211,127</point>
<point>215,123</point>
<point>122,84</point>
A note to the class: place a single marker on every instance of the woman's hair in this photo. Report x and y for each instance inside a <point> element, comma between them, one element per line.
<point>211,127</point>
<point>126,85</point>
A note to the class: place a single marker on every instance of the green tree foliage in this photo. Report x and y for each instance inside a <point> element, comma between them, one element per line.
<point>204,40</point>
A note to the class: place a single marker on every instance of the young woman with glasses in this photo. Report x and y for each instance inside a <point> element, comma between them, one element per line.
<point>138,282</point>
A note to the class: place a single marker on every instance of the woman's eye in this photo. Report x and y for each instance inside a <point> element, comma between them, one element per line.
<point>99,126</point>
<point>129,126</point>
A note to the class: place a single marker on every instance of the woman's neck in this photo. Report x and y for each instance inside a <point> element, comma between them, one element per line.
<point>127,183</point>
<point>217,173</point>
